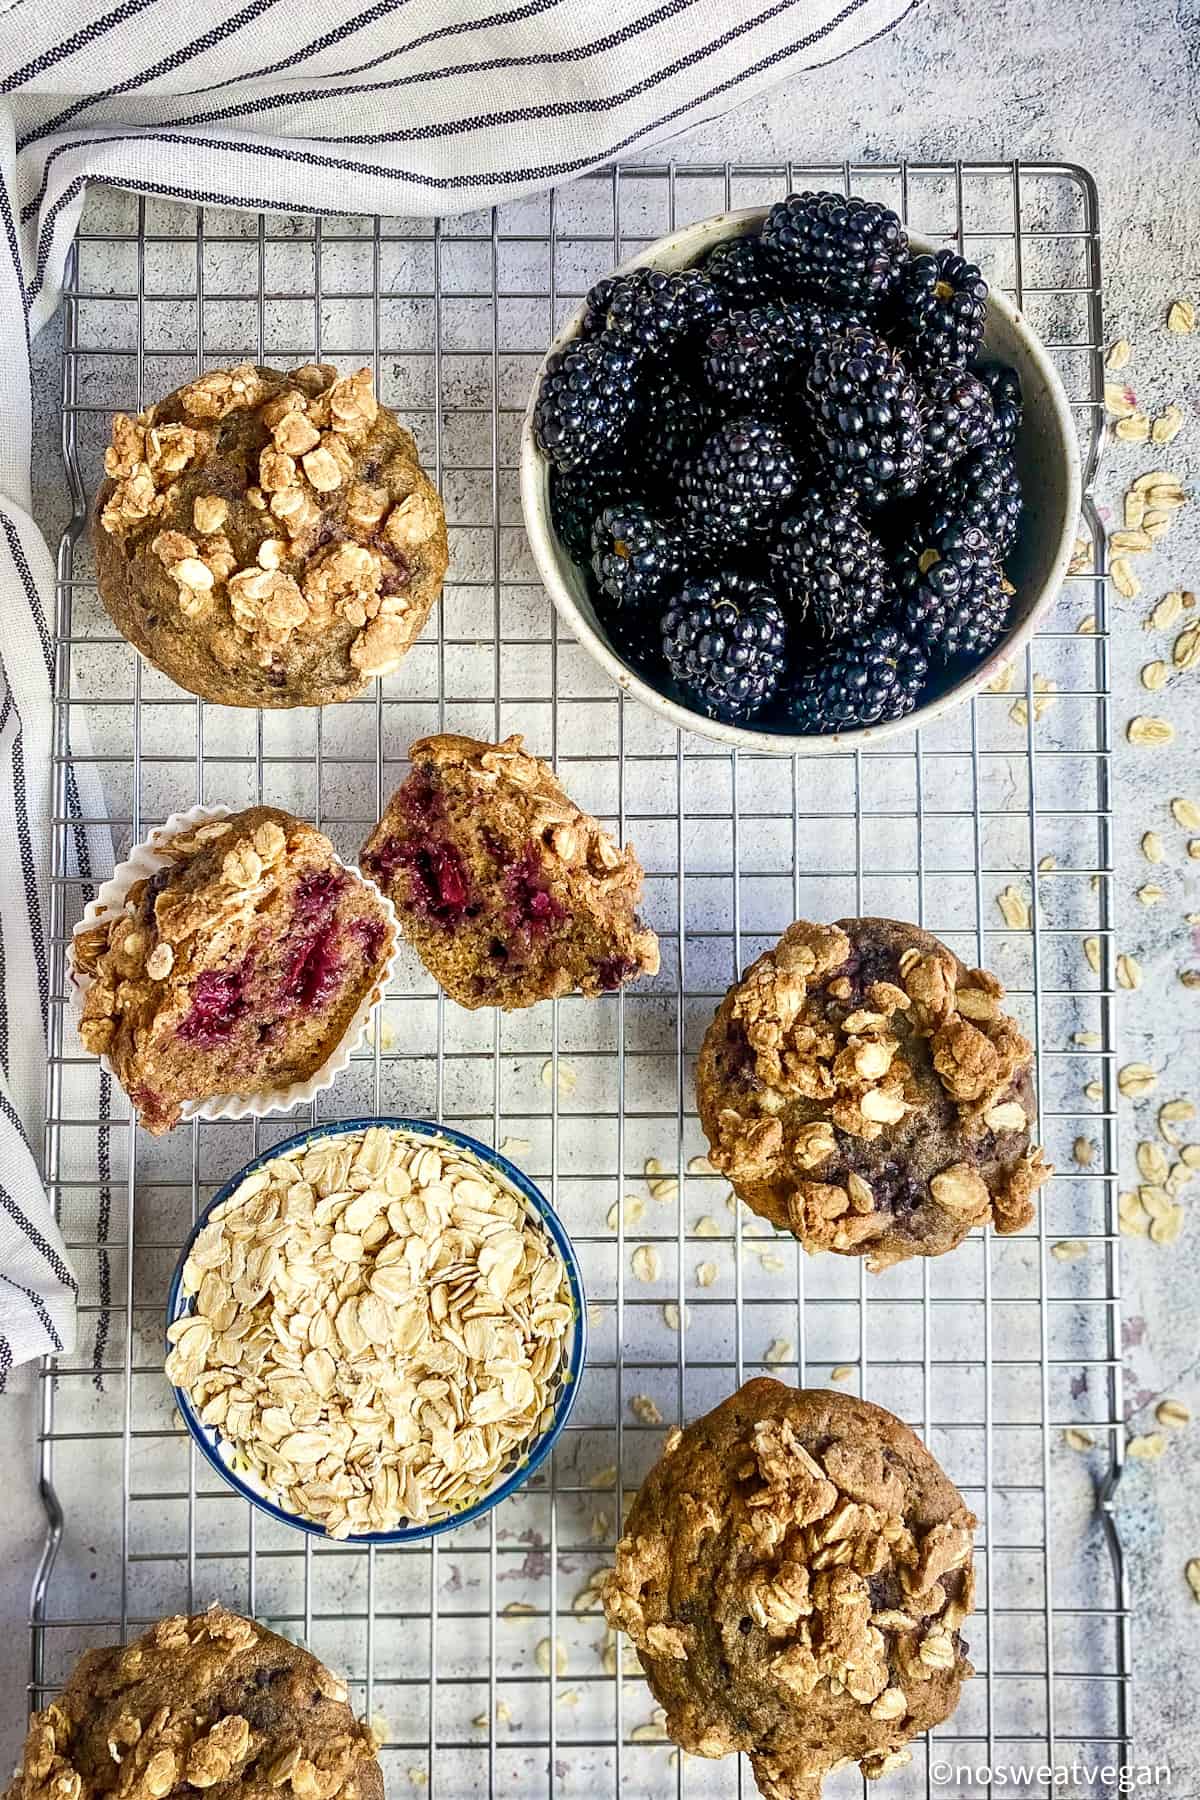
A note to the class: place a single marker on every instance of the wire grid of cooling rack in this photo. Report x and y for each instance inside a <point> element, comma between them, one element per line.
<point>482,1655</point>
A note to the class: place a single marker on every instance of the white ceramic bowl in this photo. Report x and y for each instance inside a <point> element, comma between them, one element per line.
<point>1047,456</point>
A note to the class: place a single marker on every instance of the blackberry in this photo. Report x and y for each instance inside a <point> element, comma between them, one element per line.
<point>657,309</point>
<point>866,414</point>
<point>743,272</point>
<point>956,417</point>
<point>595,312</point>
<point>576,498</point>
<point>724,640</point>
<point>831,568</point>
<point>984,490</point>
<point>1004,385</point>
<point>952,593</point>
<point>675,420</point>
<point>737,483</point>
<point>634,554</point>
<point>873,676</point>
<point>751,359</point>
<point>942,303</point>
<point>848,252</point>
<point>587,401</point>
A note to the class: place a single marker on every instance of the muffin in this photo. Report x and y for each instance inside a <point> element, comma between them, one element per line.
<point>268,538</point>
<point>508,893</point>
<point>212,1701</point>
<point>794,1573</point>
<point>864,1090</point>
<point>236,969</point>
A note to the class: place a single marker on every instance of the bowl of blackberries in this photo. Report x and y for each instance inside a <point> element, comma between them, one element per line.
<point>794,478</point>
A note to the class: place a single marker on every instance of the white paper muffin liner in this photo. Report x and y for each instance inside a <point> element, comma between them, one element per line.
<point>146,859</point>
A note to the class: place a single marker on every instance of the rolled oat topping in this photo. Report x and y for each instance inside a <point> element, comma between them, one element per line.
<point>378,1330</point>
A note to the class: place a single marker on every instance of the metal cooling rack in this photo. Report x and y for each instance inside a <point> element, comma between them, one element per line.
<point>991,1353</point>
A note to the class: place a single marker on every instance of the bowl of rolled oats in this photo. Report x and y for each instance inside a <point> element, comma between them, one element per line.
<point>376,1330</point>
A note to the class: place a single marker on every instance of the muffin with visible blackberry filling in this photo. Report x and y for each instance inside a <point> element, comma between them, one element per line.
<point>236,969</point>
<point>214,1701</point>
<point>508,893</point>
<point>269,539</point>
<point>863,1089</point>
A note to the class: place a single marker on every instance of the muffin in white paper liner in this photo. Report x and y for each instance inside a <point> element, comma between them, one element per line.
<point>145,860</point>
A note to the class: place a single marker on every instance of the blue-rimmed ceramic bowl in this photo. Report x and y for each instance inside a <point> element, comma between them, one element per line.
<point>216,1450</point>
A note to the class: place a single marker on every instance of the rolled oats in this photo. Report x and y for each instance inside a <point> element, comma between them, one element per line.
<point>378,1329</point>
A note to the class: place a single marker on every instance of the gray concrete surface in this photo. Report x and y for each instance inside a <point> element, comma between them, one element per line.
<point>1114,86</point>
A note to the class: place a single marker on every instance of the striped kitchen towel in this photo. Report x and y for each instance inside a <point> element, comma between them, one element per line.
<point>399,107</point>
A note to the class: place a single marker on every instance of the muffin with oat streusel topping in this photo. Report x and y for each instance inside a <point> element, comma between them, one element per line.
<point>506,890</point>
<point>269,539</point>
<point>794,1574</point>
<point>236,969</point>
<point>214,1701</point>
<point>865,1090</point>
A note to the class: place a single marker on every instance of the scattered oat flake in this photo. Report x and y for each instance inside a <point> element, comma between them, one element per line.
<point>1154,676</point>
<point>630,1211</point>
<point>418,1778</point>
<point>1152,847</point>
<point>706,1273</point>
<point>1124,579</point>
<point>1129,972</point>
<point>646,1263</point>
<point>1076,1439</point>
<point>1133,430</point>
<point>1068,1250</point>
<point>1093,1091</point>
<point>1002,680</point>
<point>1118,354</point>
<point>1134,508</point>
<point>1091,950</point>
<point>1151,1161</point>
<point>1014,907</point>
<point>1084,1152</point>
<point>651,1732</point>
<point>772,1263</point>
<point>568,1080</point>
<point>1087,1040</point>
<point>1167,426</point>
<point>1130,543</point>
<point>546,1653</point>
<point>706,1228</point>
<point>1136,1079</point>
<point>1168,612</point>
<point>700,1165</point>
<point>779,1350</point>
<point>1149,731</point>
<point>1185,652</point>
<point>569,1697</point>
<point>1192,1571</point>
<point>1190,978</point>
<point>1086,626</point>
<point>644,1410</point>
<point>1181,319</point>
<point>1080,563</point>
<point>1046,863</point>
<point>1147,1448</point>
<point>1174,1414</point>
<point>1193,849</point>
<point>1166,1228</point>
<point>841,1372</point>
<point>1186,813</point>
<point>671,1315</point>
<point>515,1146</point>
<point>518,1609</point>
<point>1119,401</point>
<point>1150,894</point>
<point>603,1478</point>
<point>1172,1113</point>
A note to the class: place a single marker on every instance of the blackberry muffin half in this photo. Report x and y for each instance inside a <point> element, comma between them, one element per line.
<point>794,1575</point>
<point>269,539</point>
<point>211,1701</point>
<point>865,1090</point>
<point>236,969</point>
<point>506,890</point>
